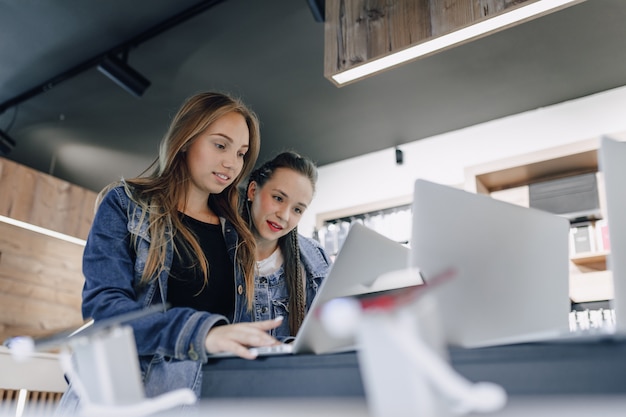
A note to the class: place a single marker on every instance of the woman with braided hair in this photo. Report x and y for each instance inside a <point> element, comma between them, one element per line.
<point>289,267</point>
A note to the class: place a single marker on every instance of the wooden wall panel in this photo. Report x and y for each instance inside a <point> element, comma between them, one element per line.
<point>43,200</point>
<point>40,283</point>
<point>40,276</point>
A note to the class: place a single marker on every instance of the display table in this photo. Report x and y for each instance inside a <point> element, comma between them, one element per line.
<point>522,406</point>
<point>536,369</point>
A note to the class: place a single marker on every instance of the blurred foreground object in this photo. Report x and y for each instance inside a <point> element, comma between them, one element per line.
<point>402,356</point>
<point>100,361</point>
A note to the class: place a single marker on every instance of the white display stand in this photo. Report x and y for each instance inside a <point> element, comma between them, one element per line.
<point>102,365</point>
<point>401,354</point>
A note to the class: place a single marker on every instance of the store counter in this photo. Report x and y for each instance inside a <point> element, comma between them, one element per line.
<point>523,406</point>
<point>536,369</point>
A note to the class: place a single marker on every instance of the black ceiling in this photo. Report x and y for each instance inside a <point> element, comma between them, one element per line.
<point>89,131</point>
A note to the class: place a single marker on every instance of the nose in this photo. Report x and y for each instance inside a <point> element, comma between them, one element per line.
<point>230,160</point>
<point>283,213</point>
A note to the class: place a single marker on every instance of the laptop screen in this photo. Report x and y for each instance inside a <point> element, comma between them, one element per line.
<point>365,264</point>
<point>511,263</point>
<point>612,160</point>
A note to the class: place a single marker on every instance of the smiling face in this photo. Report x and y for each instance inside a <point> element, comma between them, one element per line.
<point>277,206</point>
<point>216,156</point>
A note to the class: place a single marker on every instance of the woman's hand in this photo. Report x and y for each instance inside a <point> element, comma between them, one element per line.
<point>237,338</point>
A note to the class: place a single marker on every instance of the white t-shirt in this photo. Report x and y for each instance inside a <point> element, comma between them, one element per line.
<point>270,265</point>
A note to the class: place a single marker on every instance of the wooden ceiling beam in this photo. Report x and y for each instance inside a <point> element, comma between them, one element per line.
<point>358,32</point>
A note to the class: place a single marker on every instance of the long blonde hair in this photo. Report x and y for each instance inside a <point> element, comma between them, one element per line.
<point>159,193</point>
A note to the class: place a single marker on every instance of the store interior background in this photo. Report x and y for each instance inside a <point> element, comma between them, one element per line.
<point>557,79</point>
<point>554,81</point>
<point>444,158</point>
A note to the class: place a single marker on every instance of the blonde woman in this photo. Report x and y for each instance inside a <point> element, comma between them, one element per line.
<point>175,237</point>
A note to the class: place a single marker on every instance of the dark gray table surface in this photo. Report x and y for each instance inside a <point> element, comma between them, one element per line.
<point>585,367</point>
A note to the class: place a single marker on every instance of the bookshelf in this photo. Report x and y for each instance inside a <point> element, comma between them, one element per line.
<point>391,218</point>
<point>509,180</point>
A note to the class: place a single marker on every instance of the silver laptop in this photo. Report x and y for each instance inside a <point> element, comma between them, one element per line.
<point>612,163</point>
<point>511,263</point>
<point>361,267</point>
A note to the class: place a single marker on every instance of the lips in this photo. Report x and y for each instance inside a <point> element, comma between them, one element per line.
<point>222,177</point>
<point>274,226</point>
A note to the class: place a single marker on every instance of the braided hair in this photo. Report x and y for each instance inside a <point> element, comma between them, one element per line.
<point>288,244</point>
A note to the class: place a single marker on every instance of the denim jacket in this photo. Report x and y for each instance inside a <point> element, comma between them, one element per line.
<point>170,344</point>
<point>271,295</point>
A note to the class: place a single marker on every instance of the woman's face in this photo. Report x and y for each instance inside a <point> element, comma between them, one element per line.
<point>277,206</point>
<point>215,158</point>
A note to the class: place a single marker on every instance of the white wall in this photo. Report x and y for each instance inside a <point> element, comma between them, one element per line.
<point>443,158</point>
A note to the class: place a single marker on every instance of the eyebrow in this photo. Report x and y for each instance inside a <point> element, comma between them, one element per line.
<point>230,139</point>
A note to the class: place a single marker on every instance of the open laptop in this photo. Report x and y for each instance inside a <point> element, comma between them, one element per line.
<point>511,263</point>
<point>359,268</point>
<point>612,163</point>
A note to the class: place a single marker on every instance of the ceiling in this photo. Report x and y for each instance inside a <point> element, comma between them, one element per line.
<point>87,130</point>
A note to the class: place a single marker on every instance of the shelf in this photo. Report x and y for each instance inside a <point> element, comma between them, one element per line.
<point>591,286</point>
<point>572,159</point>
<point>585,259</point>
<point>329,216</point>
<point>509,179</point>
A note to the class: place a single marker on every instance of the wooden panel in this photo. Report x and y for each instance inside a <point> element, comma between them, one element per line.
<point>449,15</point>
<point>40,283</point>
<point>359,31</point>
<point>484,8</point>
<point>43,200</point>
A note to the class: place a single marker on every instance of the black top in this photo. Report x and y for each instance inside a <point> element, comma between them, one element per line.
<point>186,286</point>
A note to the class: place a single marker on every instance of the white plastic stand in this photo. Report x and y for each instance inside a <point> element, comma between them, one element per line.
<point>104,371</point>
<point>401,355</point>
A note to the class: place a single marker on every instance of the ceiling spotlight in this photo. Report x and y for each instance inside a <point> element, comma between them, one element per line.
<point>123,75</point>
<point>6,143</point>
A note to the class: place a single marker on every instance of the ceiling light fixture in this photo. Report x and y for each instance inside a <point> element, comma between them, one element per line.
<point>94,61</point>
<point>6,143</point>
<point>474,31</point>
<point>123,75</point>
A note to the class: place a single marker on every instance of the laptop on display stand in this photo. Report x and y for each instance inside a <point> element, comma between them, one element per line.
<point>361,267</point>
<point>511,263</point>
<point>612,163</point>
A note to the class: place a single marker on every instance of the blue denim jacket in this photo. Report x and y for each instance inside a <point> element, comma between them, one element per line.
<point>271,296</point>
<point>170,344</point>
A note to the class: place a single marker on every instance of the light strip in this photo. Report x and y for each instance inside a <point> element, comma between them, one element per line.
<point>481,28</point>
<point>42,230</point>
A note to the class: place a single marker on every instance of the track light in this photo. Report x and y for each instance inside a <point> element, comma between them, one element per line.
<point>123,75</point>
<point>318,8</point>
<point>6,143</point>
